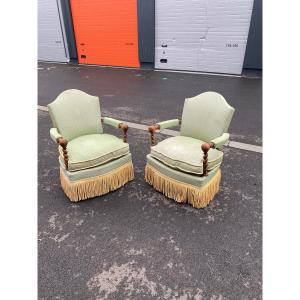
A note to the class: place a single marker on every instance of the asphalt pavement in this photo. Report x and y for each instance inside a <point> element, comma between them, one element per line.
<point>135,243</point>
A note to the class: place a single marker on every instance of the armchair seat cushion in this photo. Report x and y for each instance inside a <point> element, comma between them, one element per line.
<point>93,150</point>
<point>185,154</point>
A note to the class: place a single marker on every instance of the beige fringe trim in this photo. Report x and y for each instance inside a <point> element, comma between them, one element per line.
<point>182,192</point>
<point>96,186</point>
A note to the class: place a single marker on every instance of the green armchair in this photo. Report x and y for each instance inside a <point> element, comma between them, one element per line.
<point>186,168</point>
<point>92,163</point>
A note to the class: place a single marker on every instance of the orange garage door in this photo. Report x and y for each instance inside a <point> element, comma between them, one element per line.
<point>106,32</point>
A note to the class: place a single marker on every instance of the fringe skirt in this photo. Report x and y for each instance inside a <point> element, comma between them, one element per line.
<point>181,192</point>
<point>96,186</point>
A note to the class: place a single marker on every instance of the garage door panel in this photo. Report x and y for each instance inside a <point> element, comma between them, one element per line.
<point>51,43</point>
<point>216,32</point>
<point>106,32</point>
<point>176,58</point>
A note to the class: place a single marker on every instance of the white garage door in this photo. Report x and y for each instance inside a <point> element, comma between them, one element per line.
<point>202,35</point>
<point>51,34</point>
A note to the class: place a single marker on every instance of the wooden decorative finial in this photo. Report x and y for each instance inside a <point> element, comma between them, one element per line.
<point>152,129</point>
<point>124,127</point>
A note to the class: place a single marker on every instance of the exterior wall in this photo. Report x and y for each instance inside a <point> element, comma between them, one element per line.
<point>253,56</point>
<point>68,22</point>
<point>146,24</point>
<point>51,35</point>
<point>207,36</point>
<point>106,32</point>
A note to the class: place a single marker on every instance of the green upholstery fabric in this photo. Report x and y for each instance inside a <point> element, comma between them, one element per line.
<point>185,154</point>
<point>97,171</point>
<point>221,140</point>
<point>194,180</point>
<point>75,113</point>
<point>111,121</point>
<point>92,150</point>
<point>169,123</point>
<point>54,134</point>
<point>206,116</point>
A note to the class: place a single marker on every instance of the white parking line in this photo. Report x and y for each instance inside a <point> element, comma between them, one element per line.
<point>43,108</point>
<point>233,144</point>
<point>244,146</point>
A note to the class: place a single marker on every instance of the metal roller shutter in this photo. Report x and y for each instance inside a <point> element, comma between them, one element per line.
<point>200,35</point>
<point>51,36</point>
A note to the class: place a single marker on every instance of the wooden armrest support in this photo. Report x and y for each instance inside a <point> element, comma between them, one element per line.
<point>152,129</point>
<point>63,143</point>
<point>205,148</point>
<point>121,125</point>
<point>124,127</point>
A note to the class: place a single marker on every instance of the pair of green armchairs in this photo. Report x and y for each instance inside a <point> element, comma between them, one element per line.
<point>185,168</point>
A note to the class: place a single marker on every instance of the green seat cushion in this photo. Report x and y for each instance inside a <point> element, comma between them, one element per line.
<point>185,154</point>
<point>93,150</point>
<point>97,171</point>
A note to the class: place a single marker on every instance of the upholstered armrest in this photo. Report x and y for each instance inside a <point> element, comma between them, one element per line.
<point>54,134</point>
<point>58,138</point>
<point>160,126</point>
<point>111,121</point>
<point>117,124</point>
<point>215,143</point>
<point>220,141</point>
<point>168,124</point>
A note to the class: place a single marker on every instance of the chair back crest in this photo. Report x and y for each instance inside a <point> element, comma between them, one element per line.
<point>75,113</point>
<point>206,116</point>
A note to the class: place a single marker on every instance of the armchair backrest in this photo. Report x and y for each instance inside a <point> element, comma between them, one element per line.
<point>75,113</point>
<point>206,116</point>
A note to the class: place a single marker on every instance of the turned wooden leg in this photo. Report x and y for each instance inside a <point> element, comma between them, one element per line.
<point>205,148</point>
<point>63,143</point>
